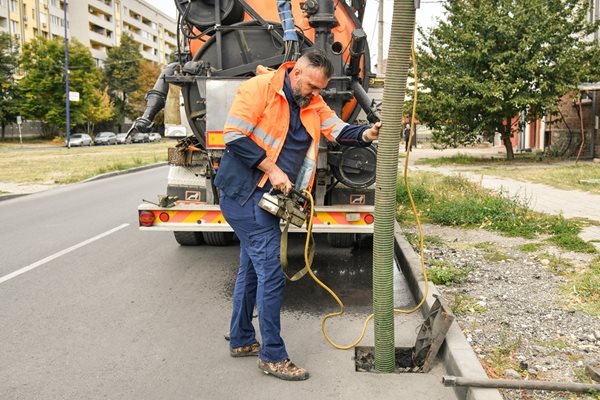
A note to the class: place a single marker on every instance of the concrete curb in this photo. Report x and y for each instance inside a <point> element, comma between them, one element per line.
<point>125,171</point>
<point>13,196</point>
<point>456,353</point>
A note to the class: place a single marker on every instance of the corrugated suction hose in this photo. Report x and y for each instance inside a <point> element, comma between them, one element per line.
<point>387,172</point>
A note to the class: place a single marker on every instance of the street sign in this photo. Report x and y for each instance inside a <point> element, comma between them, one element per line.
<point>19,121</point>
<point>73,96</point>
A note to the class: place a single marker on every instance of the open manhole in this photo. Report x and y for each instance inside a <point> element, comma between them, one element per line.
<point>420,357</point>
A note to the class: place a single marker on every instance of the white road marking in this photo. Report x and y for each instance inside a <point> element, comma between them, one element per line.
<point>60,253</point>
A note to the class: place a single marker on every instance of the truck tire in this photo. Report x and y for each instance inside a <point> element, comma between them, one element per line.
<point>217,238</point>
<point>341,240</point>
<point>188,238</point>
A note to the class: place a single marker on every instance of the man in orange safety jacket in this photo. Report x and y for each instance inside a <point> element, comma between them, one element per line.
<point>272,134</point>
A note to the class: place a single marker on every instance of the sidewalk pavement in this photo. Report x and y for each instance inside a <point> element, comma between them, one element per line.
<point>542,198</point>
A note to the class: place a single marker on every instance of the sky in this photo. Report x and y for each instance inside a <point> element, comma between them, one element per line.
<point>427,16</point>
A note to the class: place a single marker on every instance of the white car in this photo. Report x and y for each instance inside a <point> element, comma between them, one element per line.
<point>79,139</point>
<point>105,138</point>
<point>154,137</point>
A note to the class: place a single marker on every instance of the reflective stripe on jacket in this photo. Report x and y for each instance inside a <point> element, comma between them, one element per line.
<point>260,112</point>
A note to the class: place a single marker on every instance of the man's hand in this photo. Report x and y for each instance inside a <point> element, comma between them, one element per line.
<point>372,133</point>
<point>279,180</point>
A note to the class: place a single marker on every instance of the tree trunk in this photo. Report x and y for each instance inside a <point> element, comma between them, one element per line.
<point>510,155</point>
<point>3,126</point>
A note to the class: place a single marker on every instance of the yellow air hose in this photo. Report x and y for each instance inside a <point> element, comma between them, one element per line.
<point>418,221</point>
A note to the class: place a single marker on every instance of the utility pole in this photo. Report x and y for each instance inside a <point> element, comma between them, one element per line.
<point>68,124</point>
<point>380,39</point>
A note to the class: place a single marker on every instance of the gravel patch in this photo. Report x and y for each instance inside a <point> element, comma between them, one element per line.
<point>513,309</point>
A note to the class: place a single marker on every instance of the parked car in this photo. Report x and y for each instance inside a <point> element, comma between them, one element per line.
<point>105,138</point>
<point>154,137</point>
<point>140,137</point>
<point>80,139</point>
<point>122,138</point>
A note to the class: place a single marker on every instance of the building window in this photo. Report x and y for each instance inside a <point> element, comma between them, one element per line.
<point>13,5</point>
<point>56,20</point>
<point>14,26</point>
<point>43,18</point>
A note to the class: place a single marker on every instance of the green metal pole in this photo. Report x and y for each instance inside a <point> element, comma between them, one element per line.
<point>387,172</point>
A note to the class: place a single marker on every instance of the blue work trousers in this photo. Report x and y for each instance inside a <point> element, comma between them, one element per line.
<point>260,279</point>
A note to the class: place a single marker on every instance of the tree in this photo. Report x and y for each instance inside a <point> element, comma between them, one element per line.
<point>122,69</point>
<point>100,109</point>
<point>149,73</point>
<point>43,85</point>
<point>494,59</point>
<point>9,93</point>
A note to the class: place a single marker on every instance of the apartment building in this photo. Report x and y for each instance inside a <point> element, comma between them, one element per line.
<point>98,24</point>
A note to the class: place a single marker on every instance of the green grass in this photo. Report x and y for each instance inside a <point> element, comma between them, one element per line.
<point>556,264</point>
<point>59,165</point>
<point>455,201</point>
<point>414,240</point>
<point>464,304</point>
<point>556,343</point>
<point>502,356</point>
<point>530,247</point>
<point>585,287</point>
<point>442,272</point>
<point>491,253</point>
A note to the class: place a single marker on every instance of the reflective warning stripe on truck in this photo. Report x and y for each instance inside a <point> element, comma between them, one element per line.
<point>203,217</point>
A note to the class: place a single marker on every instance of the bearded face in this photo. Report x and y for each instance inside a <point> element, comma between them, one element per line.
<point>308,83</point>
<point>301,100</point>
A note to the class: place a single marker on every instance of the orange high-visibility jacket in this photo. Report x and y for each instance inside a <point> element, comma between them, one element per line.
<point>260,111</point>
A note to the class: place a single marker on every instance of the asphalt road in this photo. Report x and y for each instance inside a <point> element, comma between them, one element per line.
<point>94,309</point>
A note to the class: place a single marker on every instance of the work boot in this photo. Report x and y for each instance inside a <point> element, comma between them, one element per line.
<point>285,370</point>
<point>245,351</point>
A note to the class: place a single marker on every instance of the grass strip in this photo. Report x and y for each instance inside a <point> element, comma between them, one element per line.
<point>59,165</point>
<point>455,201</point>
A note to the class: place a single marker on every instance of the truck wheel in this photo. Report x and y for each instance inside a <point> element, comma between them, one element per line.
<point>188,238</point>
<point>341,240</point>
<point>364,240</point>
<point>217,238</point>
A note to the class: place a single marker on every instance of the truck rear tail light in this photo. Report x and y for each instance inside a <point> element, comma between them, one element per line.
<point>164,217</point>
<point>146,218</point>
<point>369,218</point>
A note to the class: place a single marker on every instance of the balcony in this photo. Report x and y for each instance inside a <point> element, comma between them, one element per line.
<point>99,53</point>
<point>104,7</point>
<point>101,21</point>
<point>102,39</point>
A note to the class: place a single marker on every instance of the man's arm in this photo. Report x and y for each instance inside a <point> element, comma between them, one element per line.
<point>279,180</point>
<point>358,135</point>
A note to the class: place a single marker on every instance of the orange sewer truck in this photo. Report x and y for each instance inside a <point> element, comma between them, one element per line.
<point>220,44</point>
